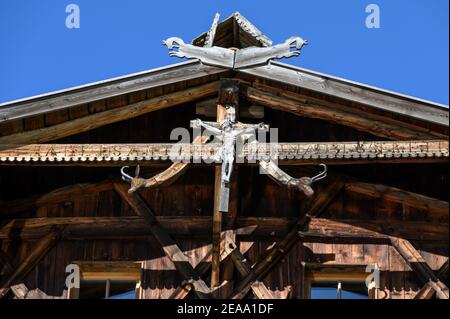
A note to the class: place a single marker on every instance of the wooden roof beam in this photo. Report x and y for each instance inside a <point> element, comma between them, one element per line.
<point>93,92</point>
<point>58,195</point>
<point>361,121</point>
<point>396,195</point>
<point>373,97</point>
<point>202,269</point>
<point>320,229</point>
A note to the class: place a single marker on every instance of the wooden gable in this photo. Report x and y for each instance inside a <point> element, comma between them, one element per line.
<point>385,200</point>
<point>237,32</point>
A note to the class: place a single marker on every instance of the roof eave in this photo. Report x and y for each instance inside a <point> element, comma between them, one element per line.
<point>91,92</point>
<point>353,91</point>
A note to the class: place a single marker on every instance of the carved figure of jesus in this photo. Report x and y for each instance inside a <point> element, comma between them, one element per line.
<point>228,135</point>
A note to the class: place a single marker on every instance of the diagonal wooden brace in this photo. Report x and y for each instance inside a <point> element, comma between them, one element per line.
<point>282,248</point>
<point>20,291</point>
<point>244,268</point>
<point>415,260</point>
<point>169,246</point>
<point>427,291</point>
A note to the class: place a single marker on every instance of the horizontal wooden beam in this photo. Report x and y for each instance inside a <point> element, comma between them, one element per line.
<point>353,231</point>
<point>320,229</point>
<point>114,270</point>
<point>352,118</point>
<point>378,191</point>
<point>10,208</point>
<point>91,122</point>
<point>420,151</point>
<point>105,89</point>
<point>433,130</point>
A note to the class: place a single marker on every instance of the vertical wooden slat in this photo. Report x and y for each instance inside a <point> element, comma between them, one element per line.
<point>78,111</point>
<point>34,122</point>
<point>97,106</point>
<point>11,127</point>
<point>56,117</point>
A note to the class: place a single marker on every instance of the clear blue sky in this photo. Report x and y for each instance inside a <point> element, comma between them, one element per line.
<point>408,54</point>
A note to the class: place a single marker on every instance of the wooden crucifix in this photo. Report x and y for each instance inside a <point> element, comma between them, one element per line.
<point>228,132</point>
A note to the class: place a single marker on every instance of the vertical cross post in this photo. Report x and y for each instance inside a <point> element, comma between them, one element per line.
<point>228,97</point>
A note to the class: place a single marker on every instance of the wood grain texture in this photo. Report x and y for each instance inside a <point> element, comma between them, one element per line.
<point>355,92</point>
<point>90,122</point>
<point>319,230</point>
<point>353,119</point>
<point>92,93</point>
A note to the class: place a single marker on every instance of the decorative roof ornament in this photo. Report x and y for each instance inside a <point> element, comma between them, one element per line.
<point>252,56</point>
<point>215,56</point>
<point>251,29</point>
<point>212,32</point>
<point>230,24</point>
<point>232,58</point>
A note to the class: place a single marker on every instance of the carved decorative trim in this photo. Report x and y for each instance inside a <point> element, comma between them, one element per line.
<point>188,152</point>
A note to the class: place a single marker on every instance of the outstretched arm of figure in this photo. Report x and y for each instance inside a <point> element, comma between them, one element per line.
<point>252,129</point>
<point>200,123</point>
<point>211,128</point>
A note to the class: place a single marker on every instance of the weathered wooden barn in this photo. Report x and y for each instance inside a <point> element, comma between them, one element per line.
<point>383,203</point>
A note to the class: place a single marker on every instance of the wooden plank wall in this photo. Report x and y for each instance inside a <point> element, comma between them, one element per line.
<point>192,195</point>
